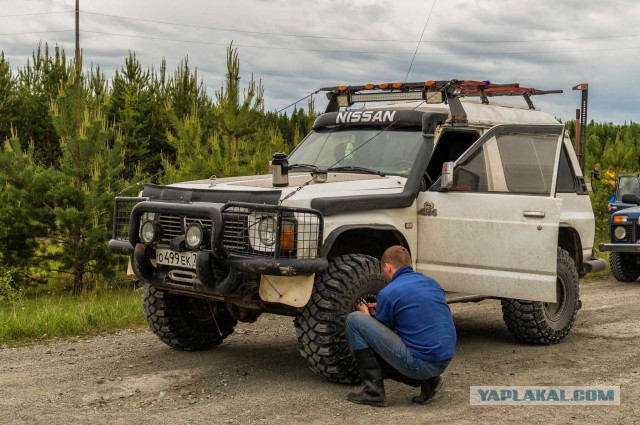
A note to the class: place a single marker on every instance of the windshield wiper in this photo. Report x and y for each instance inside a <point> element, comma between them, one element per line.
<point>355,168</point>
<point>312,167</point>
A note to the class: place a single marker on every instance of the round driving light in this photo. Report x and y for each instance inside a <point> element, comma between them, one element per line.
<point>194,236</point>
<point>148,232</point>
<point>267,230</point>
<point>620,232</point>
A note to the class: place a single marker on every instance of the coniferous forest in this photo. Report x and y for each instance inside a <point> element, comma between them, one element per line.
<point>72,141</point>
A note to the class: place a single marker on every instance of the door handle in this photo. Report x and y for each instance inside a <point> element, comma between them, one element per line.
<point>534,214</point>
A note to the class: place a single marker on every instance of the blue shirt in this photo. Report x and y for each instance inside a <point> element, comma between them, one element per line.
<point>413,305</point>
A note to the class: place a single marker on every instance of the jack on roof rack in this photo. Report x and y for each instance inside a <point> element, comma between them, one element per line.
<point>448,92</point>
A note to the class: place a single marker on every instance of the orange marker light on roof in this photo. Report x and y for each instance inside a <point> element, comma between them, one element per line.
<point>430,83</point>
<point>383,85</point>
<point>369,86</point>
<point>342,88</point>
<point>396,85</point>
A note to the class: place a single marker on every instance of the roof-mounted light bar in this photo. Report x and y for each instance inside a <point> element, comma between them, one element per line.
<point>428,91</point>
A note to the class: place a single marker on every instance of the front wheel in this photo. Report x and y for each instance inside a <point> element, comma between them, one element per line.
<point>186,323</point>
<point>320,327</point>
<point>624,266</point>
<point>537,322</point>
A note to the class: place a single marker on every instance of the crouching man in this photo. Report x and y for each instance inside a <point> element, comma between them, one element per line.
<point>407,336</point>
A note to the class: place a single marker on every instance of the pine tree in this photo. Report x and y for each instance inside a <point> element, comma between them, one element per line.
<point>90,174</point>
<point>238,118</point>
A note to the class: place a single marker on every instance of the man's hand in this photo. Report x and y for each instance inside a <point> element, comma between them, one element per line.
<point>367,308</point>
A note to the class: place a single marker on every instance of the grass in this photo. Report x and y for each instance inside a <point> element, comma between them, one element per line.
<point>54,316</point>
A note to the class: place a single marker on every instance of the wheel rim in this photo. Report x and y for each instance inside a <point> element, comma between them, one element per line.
<point>369,297</point>
<point>554,311</point>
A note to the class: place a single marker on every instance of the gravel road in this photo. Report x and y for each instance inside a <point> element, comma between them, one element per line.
<point>257,377</point>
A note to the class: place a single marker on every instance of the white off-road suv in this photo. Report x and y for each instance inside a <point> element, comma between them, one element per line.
<point>490,201</point>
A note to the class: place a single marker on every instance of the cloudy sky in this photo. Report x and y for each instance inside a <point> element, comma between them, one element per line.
<point>296,47</point>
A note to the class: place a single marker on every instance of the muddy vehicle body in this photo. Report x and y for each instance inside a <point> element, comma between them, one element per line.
<point>489,200</point>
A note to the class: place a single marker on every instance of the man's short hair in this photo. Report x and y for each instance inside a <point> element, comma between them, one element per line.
<point>397,256</point>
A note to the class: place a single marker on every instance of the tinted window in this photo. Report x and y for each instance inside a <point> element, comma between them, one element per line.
<point>528,161</point>
<point>566,180</point>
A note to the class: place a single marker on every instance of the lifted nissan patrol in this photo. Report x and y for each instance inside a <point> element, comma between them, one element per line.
<point>489,200</point>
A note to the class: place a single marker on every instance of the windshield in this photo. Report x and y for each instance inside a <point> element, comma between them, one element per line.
<point>390,151</point>
<point>627,184</point>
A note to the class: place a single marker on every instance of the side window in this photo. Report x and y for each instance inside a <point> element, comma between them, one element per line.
<point>566,179</point>
<point>513,163</point>
<point>471,174</point>
<point>528,161</point>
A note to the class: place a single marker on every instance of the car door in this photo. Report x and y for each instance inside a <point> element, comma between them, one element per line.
<point>495,231</point>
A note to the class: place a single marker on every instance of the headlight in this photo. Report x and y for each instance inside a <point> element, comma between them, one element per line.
<point>620,232</point>
<point>267,230</point>
<point>194,236</point>
<point>150,232</point>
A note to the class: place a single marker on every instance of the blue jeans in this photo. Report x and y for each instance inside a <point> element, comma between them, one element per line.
<point>364,331</point>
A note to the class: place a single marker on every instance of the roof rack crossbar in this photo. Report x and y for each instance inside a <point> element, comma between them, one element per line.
<point>448,92</point>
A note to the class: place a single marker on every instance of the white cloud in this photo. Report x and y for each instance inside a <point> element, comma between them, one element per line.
<point>594,43</point>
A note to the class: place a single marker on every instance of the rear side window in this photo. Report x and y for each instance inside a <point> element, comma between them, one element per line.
<point>528,161</point>
<point>566,179</point>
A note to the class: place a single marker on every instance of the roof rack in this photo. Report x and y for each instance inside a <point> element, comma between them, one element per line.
<point>448,92</point>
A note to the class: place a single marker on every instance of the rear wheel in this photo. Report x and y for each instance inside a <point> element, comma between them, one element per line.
<point>624,266</point>
<point>320,327</point>
<point>537,322</point>
<point>186,323</point>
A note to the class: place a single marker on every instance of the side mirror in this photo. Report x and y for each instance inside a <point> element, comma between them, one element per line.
<point>446,180</point>
<point>630,198</point>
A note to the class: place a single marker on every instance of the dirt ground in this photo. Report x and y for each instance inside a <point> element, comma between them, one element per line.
<point>257,376</point>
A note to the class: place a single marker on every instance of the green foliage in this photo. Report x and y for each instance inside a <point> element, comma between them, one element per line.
<point>34,87</point>
<point>198,158</point>
<point>238,118</point>
<point>72,141</point>
<point>8,293</point>
<point>87,180</point>
<point>55,316</point>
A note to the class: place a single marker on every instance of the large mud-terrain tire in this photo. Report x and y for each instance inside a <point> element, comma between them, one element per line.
<point>186,323</point>
<point>537,322</point>
<point>624,266</point>
<point>320,327</point>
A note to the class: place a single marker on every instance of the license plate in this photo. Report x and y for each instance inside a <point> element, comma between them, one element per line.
<point>178,259</point>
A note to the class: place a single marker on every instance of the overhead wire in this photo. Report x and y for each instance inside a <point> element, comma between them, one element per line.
<point>36,13</point>
<point>355,38</point>
<point>370,52</point>
<point>419,41</point>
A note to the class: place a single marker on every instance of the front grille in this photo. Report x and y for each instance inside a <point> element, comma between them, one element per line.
<point>121,216</point>
<point>242,229</point>
<point>176,225</point>
<point>235,237</point>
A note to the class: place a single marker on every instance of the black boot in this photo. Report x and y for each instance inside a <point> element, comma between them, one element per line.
<point>371,374</point>
<point>428,390</point>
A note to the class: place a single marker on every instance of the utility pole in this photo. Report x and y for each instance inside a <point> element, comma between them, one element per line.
<point>78,59</point>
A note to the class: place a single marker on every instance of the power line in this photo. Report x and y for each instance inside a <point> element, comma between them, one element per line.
<point>418,46</point>
<point>35,13</point>
<point>241,31</point>
<point>474,41</point>
<point>34,32</point>
<point>373,52</point>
